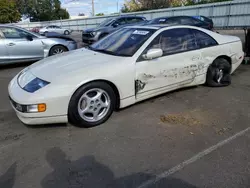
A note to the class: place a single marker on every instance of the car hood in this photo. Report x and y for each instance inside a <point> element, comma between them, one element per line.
<point>71,63</point>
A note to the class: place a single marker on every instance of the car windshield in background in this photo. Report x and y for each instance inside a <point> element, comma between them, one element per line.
<point>106,22</point>
<point>124,42</point>
<point>157,21</point>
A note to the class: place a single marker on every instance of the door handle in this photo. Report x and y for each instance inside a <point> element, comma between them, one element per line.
<point>11,44</point>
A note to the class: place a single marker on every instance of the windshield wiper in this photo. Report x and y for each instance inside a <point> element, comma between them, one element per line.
<point>104,51</point>
<point>107,52</point>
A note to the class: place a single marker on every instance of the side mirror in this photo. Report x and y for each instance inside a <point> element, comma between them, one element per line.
<point>29,37</point>
<point>115,24</point>
<point>153,53</point>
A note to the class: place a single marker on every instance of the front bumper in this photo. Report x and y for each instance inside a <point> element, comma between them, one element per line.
<point>88,38</point>
<point>72,46</point>
<point>56,111</point>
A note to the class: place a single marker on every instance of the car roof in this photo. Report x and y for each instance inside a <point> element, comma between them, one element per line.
<point>161,26</point>
<point>129,16</point>
<point>10,25</point>
<point>165,17</point>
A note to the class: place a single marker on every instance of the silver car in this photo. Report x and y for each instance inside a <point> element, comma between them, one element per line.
<point>54,28</point>
<point>20,45</point>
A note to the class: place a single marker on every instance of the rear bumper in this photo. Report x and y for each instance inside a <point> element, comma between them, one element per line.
<point>72,46</point>
<point>236,61</point>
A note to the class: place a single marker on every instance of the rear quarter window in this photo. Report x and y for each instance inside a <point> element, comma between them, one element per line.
<point>204,40</point>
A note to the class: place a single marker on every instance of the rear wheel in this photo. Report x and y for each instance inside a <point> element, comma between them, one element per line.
<point>57,50</point>
<point>218,73</point>
<point>66,32</point>
<point>91,105</point>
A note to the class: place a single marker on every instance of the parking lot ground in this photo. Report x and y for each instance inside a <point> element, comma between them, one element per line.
<point>137,145</point>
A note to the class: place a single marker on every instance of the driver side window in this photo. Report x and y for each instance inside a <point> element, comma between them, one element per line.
<point>12,33</point>
<point>121,21</point>
<point>174,41</point>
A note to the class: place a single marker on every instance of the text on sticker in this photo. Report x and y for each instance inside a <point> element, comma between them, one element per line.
<point>138,32</point>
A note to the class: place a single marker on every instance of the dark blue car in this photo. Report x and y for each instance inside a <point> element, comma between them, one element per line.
<point>109,26</point>
<point>181,20</point>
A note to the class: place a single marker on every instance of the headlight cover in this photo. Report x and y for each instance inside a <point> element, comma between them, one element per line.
<point>35,85</point>
<point>30,83</point>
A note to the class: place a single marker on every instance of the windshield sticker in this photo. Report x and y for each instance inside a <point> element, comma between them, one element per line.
<point>162,20</point>
<point>138,32</point>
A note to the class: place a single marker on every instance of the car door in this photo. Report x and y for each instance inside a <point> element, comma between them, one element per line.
<point>51,28</point>
<point>178,67</point>
<point>59,30</point>
<point>19,47</point>
<point>4,56</point>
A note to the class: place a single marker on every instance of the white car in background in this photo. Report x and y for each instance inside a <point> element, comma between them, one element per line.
<point>54,28</point>
<point>132,64</point>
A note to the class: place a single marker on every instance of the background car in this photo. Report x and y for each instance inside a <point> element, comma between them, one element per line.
<point>181,20</point>
<point>20,45</point>
<point>54,28</point>
<point>108,26</point>
<point>132,64</point>
<point>205,19</point>
<point>36,29</point>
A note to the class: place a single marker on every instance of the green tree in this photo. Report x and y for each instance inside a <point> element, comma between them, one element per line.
<point>42,10</point>
<point>140,5</point>
<point>100,14</point>
<point>9,12</point>
<point>193,2</point>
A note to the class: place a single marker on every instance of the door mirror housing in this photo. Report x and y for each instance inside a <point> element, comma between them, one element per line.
<point>153,54</point>
<point>29,37</point>
<point>115,24</point>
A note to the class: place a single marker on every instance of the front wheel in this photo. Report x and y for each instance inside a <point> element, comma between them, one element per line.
<point>91,105</point>
<point>57,50</point>
<point>218,73</point>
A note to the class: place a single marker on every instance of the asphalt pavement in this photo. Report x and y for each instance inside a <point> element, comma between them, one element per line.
<point>197,137</point>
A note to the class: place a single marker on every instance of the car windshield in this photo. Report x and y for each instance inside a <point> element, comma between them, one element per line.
<point>157,21</point>
<point>105,22</point>
<point>124,42</point>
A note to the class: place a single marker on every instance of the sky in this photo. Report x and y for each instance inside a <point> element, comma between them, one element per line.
<point>74,7</point>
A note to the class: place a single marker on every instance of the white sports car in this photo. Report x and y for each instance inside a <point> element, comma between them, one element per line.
<point>135,63</point>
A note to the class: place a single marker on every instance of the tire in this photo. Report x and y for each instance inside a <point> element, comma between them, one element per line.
<point>85,103</point>
<point>219,73</point>
<point>45,33</point>
<point>66,32</point>
<point>57,50</point>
